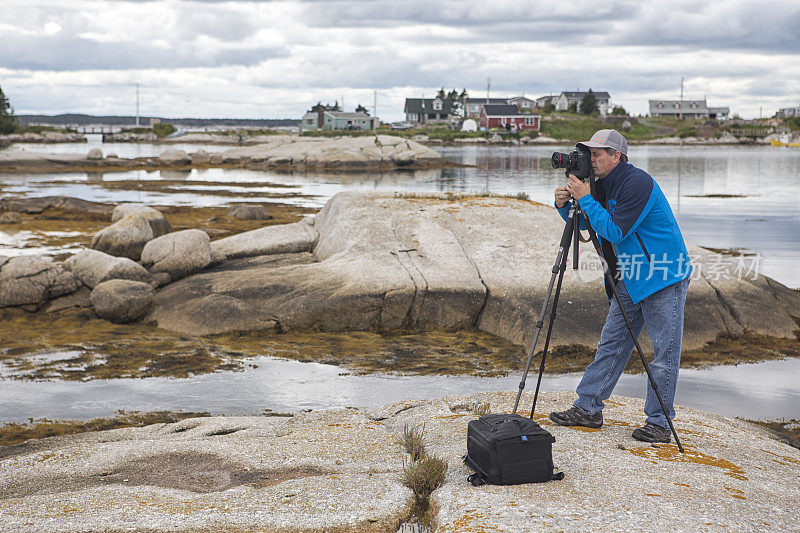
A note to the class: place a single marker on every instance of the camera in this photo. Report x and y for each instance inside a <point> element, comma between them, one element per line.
<point>578,162</point>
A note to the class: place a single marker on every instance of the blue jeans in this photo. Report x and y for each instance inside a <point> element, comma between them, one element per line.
<point>662,313</point>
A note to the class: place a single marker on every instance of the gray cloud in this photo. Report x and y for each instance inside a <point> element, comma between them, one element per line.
<point>64,52</point>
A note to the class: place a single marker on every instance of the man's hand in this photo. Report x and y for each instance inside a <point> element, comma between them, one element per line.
<point>562,196</point>
<point>577,188</point>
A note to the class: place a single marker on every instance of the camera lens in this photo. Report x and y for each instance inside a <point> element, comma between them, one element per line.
<point>559,160</point>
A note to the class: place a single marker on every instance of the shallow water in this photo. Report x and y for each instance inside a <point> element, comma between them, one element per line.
<point>757,391</point>
<point>726,197</point>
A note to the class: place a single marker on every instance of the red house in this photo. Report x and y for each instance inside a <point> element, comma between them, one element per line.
<point>507,117</point>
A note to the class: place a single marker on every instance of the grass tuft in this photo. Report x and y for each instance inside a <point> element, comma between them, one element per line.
<point>481,409</point>
<point>413,441</point>
<point>424,473</point>
<point>424,476</point>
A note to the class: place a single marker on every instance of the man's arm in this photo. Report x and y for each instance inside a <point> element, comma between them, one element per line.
<point>634,203</point>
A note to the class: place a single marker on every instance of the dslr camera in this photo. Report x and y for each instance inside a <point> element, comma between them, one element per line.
<point>578,162</point>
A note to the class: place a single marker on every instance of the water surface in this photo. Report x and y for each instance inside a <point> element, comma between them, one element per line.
<point>758,391</point>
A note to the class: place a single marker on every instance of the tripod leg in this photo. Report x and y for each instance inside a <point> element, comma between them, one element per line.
<point>563,252</point>
<point>629,327</point>
<point>549,332</point>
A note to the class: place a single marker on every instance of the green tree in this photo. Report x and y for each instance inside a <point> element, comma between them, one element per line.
<point>573,107</point>
<point>441,95</point>
<point>456,105</point>
<point>8,122</point>
<point>589,103</point>
<point>362,109</point>
<point>619,110</point>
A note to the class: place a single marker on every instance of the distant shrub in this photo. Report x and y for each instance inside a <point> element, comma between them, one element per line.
<point>162,129</point>
<point>687,131</point>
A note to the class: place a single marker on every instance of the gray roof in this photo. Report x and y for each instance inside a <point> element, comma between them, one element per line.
<point>487,101</point>
<point>344,115</point>
<point>677,106</point>
<point>414,105</point>
<point>501,110</point>
<point>600,95</point>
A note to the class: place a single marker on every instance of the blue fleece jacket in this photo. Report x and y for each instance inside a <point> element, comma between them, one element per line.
<point>639,224</point>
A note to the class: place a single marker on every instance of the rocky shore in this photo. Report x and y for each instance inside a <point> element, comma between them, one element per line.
<point>369,262</point>
<point>340,470</point>
<point>45,137</point>
<point>276,152</point>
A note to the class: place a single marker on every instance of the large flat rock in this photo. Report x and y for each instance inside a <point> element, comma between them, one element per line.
<point>732,476</point>
<point>338,470</point>
<point>385,263</point>
<point>332,470</point>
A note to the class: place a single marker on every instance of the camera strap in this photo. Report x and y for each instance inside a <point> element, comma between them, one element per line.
<point>598,192</point>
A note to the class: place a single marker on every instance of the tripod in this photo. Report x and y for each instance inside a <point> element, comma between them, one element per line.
<point>572,233</point>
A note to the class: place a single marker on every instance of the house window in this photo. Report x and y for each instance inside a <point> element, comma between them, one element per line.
<point>526,105</point>
<point>530,121</point>
<point>432,116</point>
<point>437,105</point>
<point>310,121</point>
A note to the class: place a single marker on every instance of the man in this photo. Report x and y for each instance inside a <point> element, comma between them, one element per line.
<point>644,249</point>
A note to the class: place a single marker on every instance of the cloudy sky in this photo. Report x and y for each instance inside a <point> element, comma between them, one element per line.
<point>274,59</point>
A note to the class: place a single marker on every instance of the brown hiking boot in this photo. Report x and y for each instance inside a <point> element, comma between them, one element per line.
<point>576,416</point>
<point>651,433</point>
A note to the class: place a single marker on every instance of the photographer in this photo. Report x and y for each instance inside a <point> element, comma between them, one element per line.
<point>644,250</point>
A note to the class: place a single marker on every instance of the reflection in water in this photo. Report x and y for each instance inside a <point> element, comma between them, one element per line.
<point>757,391</point>
<point>175,174</point>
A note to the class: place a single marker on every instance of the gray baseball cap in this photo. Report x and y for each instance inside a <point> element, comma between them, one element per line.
<point>608,139</point>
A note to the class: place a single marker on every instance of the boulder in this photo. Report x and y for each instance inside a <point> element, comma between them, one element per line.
<point>391,263</point>
<point>95,154</point>
<point>121,300</point>
<point>32,280</point>
<point>66,203</point>
<point>155,218</point>
<point>125,238</point>
<point>175,157</point>
<point>92,267</point>
<point>12,217</point>
<point>249,212</point>
<point>287,238</point>
<point>179,254</point>
<point>80,299</point>
<point>200,156</point>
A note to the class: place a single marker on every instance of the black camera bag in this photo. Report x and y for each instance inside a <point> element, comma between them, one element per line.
<point>506,449</point>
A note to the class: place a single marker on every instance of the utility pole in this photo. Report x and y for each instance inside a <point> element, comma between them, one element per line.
<point>137,104</point>
<point>680,110</point>
<point>374,109</point>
